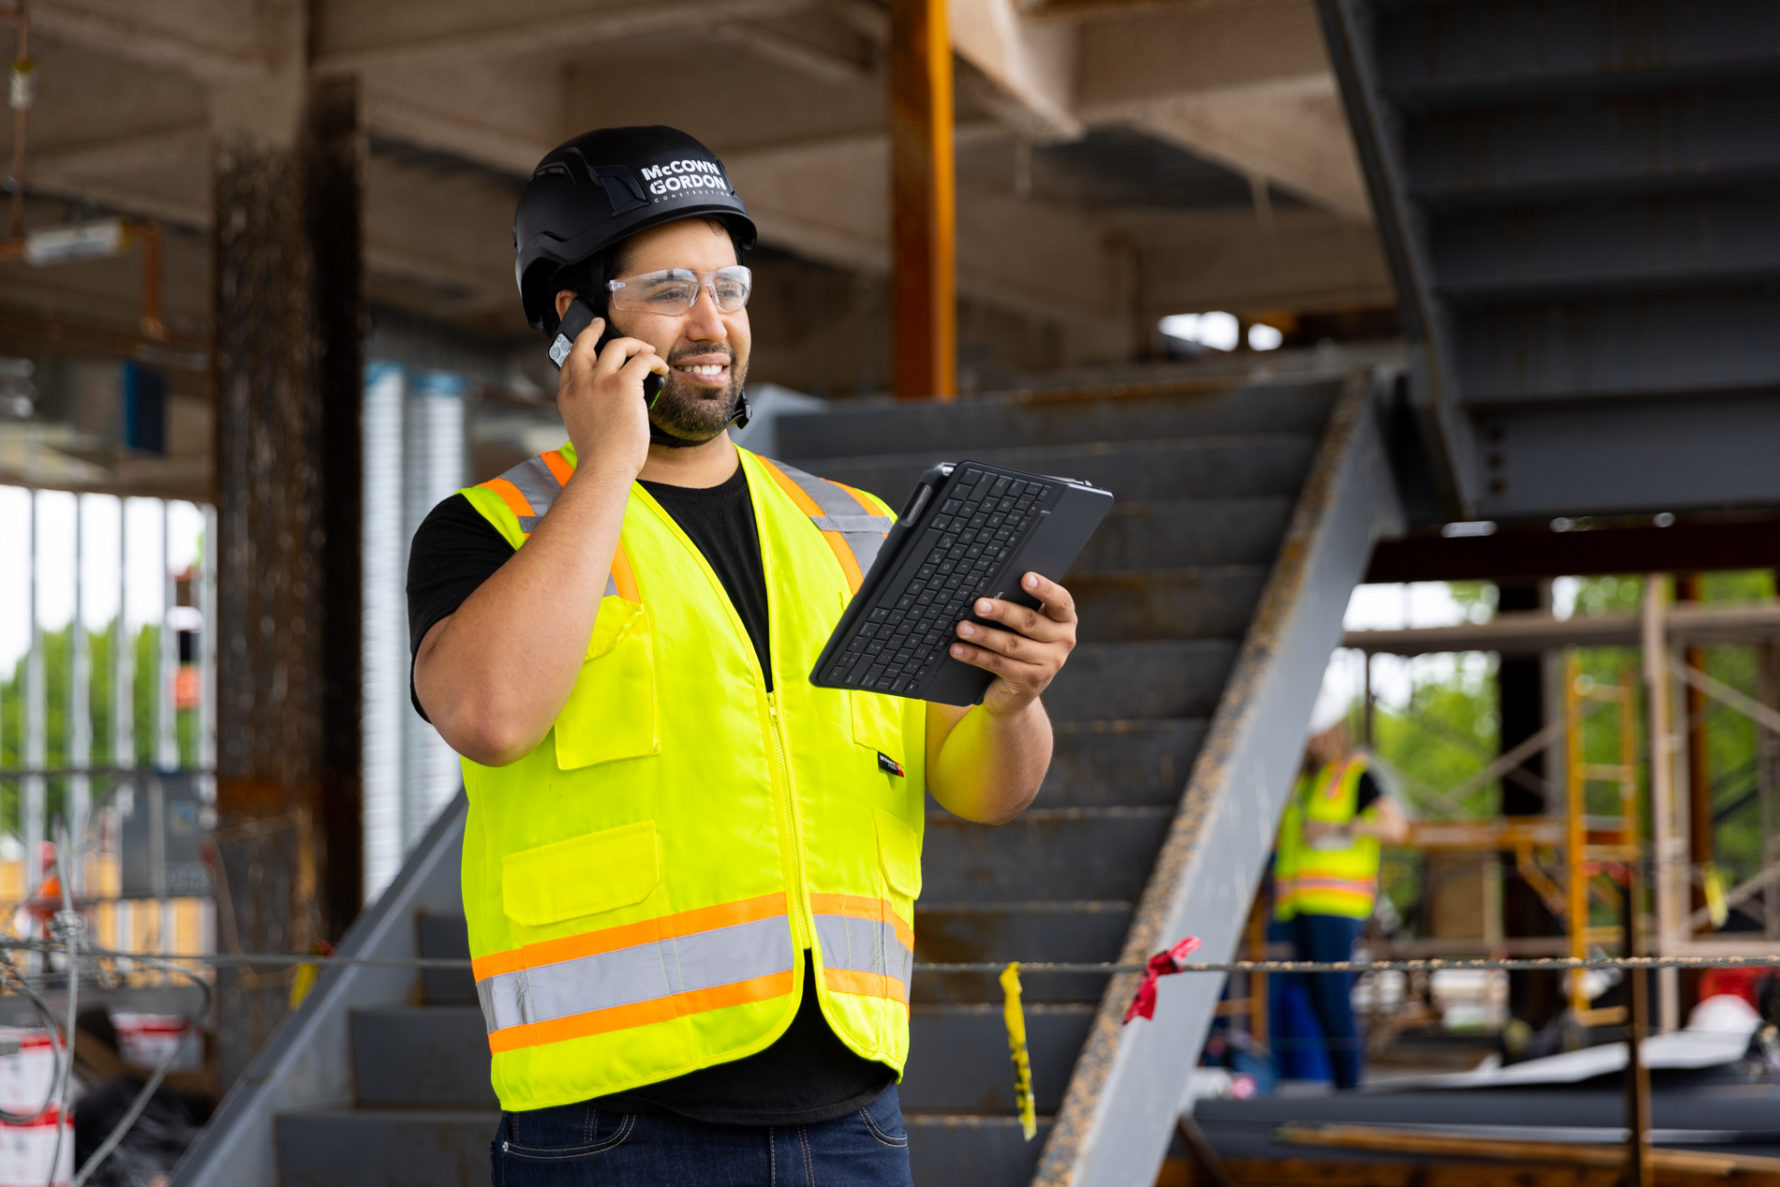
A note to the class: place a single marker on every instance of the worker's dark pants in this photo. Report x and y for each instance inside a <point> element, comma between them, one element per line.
<point>1332,937</point>
<point>578,1146</point>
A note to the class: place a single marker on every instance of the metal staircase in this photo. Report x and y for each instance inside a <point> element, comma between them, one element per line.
<point>1576,198</point>
<point>1209,600</point>
<point>1209,604</point>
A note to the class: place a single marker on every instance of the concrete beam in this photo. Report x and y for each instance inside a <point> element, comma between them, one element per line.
<point>90,99</point>
<point>826,52</point>
<point>1032,64</point>
<point>1247,86</point>
<point>207,39</point>
<point>500,113</point>
<point>833,205</point>
<point>407,211</point>
<point>1147,54</point>
<point>352,35</point>
<point>762,103</point>
<point>125,157</point>
<point>1295,138</point>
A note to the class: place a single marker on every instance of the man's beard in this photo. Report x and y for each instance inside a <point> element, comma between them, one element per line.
<point>690,412</point>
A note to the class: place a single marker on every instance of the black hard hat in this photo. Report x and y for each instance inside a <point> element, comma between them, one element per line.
<point>605,186</point>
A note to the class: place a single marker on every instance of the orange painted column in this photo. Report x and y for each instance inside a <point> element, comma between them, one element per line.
<point>924,325</point>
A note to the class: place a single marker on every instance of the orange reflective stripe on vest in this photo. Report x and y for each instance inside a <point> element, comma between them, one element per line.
<point>854,528</point>
<point>635,974</point>
<point>866,948</point>
<point>530,488</point>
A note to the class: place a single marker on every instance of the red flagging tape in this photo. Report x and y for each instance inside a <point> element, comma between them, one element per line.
<point>1160,965</point>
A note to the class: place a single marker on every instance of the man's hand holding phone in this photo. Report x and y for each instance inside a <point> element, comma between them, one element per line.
<point>600,398</point>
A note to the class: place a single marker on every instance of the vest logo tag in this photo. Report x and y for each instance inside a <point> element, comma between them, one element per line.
<point>890,765</point>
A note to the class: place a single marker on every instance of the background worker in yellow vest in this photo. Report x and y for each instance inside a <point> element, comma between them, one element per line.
<point>689,874</point>
<point>1326,879</point>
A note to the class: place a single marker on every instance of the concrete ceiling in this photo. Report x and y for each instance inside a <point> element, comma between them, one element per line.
<point>1110,154</point>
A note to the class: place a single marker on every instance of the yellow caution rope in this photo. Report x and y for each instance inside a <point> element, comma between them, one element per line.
<point>1016,1044</point>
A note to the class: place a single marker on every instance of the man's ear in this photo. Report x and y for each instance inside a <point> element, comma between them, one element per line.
<point>564,298</point>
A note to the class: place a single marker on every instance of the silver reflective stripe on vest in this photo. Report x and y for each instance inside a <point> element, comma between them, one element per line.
<point>538,485</point>
<point>643,972</point>
<point>537,482</point>
<point>851,523</point>
<point>865,946</point>
<point>841,512</point>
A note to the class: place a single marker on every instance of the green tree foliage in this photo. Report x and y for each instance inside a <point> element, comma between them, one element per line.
<point>58,655</point>
<point>1448,732</point>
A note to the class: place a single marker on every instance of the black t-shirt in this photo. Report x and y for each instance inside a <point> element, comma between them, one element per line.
<point>1366,793</point>
<point>808,1075</point>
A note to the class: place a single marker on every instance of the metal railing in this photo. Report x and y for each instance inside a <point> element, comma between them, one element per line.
<point>117,754</point>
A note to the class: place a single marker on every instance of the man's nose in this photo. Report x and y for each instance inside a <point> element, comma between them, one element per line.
<point>704,321</point>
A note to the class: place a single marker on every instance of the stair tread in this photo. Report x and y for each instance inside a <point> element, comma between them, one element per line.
<point>958,1055</point>
<point>1167,678</point>
<point>1162,447</point>
<point>1105,413</point>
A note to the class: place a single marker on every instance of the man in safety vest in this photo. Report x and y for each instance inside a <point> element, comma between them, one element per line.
<point>1326,879</point>
<point>689,873</point>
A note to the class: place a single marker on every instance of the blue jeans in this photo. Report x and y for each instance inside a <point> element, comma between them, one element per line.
<point>577,1146</point>
<point>1332,938</point>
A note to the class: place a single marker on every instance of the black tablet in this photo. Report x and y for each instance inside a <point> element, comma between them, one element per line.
<point>969,531</point>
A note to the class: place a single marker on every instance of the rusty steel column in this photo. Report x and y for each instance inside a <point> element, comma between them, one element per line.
<point>288,312</point>
<point>924,324</point>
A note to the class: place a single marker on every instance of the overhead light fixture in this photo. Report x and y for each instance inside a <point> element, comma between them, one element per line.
<point>77,241</point>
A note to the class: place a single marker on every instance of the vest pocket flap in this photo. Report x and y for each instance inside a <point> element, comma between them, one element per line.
<point>615,617</point>
<point>583,875</point>
<point>610,713</point>
<point>877,723</point>
<point>899,851</point>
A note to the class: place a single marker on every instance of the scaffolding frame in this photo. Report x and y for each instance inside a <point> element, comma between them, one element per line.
<point>1661,631</point>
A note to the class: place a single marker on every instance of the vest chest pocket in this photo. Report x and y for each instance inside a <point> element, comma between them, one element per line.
<point>877,724</point>
<point>611,714</point>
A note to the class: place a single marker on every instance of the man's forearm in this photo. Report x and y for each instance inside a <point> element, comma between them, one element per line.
<point>990,766</point>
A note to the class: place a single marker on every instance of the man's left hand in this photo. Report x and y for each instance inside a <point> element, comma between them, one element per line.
<point>1025,649</point>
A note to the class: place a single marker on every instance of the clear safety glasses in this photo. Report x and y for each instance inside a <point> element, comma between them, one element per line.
<point>675,290</point>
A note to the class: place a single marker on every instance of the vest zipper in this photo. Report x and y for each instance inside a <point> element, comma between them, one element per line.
<point>802,930</point>
<point>800,924</point>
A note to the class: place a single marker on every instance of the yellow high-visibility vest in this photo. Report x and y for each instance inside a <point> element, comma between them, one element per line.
<point>1333,877</point>
<point>1286,849</point>
<point>641,887</point>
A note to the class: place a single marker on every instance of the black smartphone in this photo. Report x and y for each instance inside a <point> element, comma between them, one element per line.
<point>579,316</point>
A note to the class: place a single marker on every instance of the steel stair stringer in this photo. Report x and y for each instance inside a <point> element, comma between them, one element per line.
<point>308,1063</point>
<point>1119,1111</point>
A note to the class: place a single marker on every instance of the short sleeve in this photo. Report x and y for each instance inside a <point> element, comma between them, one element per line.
<point>454,551</point>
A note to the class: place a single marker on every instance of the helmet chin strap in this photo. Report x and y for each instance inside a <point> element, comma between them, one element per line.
<point>738,421</point>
